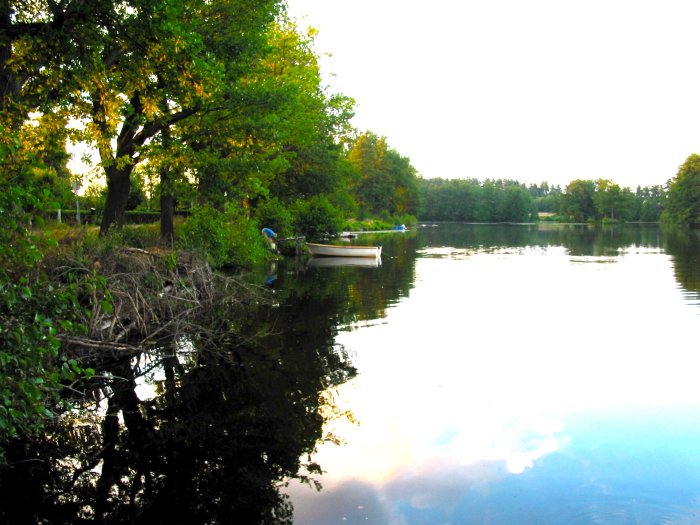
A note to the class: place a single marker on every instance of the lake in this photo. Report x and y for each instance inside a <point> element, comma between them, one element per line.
<point>481,374</point>
<point>514,374</point>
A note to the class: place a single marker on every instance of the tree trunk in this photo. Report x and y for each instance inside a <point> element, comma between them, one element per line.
<point>9,85</point>
<point>167,191</point>
<point>118,186</point>
<point>167,210</point>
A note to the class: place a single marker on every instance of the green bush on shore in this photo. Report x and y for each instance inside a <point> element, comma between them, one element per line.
<point>379,224</point>
<point>225,238</point>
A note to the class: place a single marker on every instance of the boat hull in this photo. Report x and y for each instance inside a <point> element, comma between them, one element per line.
<point>330,250</point>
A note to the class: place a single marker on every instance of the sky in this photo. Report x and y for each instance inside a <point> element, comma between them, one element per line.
<point>530,90</point>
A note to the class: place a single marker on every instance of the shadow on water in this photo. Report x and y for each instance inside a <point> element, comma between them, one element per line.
<point>209,426</point>
<point>203,430</point>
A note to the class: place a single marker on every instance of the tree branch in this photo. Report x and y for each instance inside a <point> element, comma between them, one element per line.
<point>100,345</point>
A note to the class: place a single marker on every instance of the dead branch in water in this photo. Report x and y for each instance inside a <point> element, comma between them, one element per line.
<point>143,298</point>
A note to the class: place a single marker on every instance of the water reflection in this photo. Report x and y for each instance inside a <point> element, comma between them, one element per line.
<point>204,430</point>
<point>505,374</point>
<point>365,262</point>
<point>531,375</point>
<point>578,239</point>
<point>685,247</point>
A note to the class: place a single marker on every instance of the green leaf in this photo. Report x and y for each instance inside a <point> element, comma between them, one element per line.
<point>106,306</point>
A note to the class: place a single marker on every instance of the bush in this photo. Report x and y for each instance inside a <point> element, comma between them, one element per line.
<point>275,215</point>
<point>205,233</point>
<point>33,313</point>
<point>246,245</point>
<point>406,219</point>
<point>142,235</point>
<point>224,238</point>
<point>317,218</point>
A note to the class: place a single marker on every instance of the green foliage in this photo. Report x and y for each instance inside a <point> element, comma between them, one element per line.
<point>317,218</point>
<point>603,200</point>
<point>277,216</point>
<point>206,233</point>
<point>517,205</point>
<point>224,238</point>
<point>683,205</point>
<point>548,203</point>
<point>649,203</point>
<point>33,310</point>
<point>152,66</point>
<point>94,197</point>
<point>385,181</point>
<point>137,197</point>
<point>307,123</point>
<point>577,201</point>
<point>379,224</point>
<point>475,201</point>
<point>32,313</point>
<point>246,244</point>
<point>140,235</point>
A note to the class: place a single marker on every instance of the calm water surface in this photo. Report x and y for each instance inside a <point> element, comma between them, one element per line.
<point>516,374</point>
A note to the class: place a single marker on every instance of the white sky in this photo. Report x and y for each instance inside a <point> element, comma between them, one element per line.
<point>531,90</point>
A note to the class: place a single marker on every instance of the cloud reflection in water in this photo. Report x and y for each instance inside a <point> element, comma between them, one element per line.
<point>467,392</point>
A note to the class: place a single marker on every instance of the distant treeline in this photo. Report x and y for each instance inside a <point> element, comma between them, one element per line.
<point>502,200</point>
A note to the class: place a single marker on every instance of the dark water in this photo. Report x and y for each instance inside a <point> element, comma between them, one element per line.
<point>481,374</point>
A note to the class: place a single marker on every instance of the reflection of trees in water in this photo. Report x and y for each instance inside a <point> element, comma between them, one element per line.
<point>205,430</point>
<point>349,294</point>
<point>228,419</point>
<point>578,239</point>
<point>684,246</point>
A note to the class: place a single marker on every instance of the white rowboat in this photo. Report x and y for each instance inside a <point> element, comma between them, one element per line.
<point>331,250</point>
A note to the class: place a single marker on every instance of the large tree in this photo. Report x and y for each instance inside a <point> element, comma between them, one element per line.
<point>577,201</point>
<point>164,62</point>
<point>276,132</point>
<point>43,45</point>
<point>609,199</point>
<point>386,181</point>
<point>683,204</point>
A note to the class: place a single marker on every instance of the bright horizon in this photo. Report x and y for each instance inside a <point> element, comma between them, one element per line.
<point>538,91</point>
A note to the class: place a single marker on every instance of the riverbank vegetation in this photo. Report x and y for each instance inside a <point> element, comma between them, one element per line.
<point>120,341</point>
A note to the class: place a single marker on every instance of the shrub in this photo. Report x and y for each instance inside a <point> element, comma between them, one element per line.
<point>205,233</point>
<point>33,311</point>
<point>224,238</point>
<point>141,235</point>
<point>275,215</point>
<point>317,218</point>
<point>246,245</point>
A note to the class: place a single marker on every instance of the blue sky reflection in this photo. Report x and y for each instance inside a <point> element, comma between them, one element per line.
<point>513,388</point>
<point>599,476</point>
